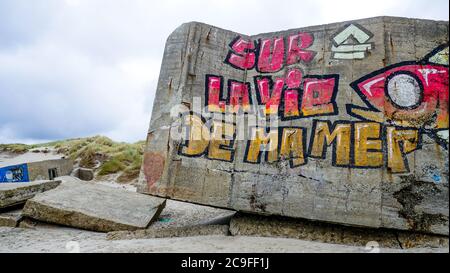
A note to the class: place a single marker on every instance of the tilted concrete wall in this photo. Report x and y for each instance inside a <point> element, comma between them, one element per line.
<point>360,132</point>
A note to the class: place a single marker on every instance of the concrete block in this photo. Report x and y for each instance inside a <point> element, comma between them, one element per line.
<point>30,223</point>
<point>183,214</point>
<point>12,194</point>
<point>181,219</point>
<point>354,92</point>
<point>254,225</point>
<point>94,207</point>
<point>84,174</point>
<point>10,218</point>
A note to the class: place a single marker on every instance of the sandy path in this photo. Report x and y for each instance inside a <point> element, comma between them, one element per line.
<point>67,240</point>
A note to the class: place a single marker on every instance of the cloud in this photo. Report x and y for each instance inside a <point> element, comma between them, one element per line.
<point>76,68</point>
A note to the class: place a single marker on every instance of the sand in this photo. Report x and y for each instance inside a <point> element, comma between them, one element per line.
<point>50,240</point>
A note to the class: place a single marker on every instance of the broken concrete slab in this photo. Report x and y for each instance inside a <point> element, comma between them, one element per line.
<point>94,207</point>
<point>182,214</point>
<point>26,222</point>
<point>12,194</point>
<point>181,219</point>
<point>170,232</point>
<point>10,218</point>
<point>275,226</point>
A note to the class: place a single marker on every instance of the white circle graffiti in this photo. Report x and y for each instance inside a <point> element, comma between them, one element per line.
<point>404,91</point>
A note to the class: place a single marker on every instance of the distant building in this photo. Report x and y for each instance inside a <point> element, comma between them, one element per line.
<point>33,166</point>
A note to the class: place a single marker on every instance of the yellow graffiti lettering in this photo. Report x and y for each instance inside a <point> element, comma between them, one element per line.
<point>399,143</point>
<point>292,147</point>
<point>220,146</point>
<point>262,141</point>
<point>368,145</point>
<point>341,134</point>
<point>198,136</point>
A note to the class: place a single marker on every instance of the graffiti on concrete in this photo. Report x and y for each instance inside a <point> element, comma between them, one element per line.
<point>292,97</point>
<point>12,174</point>
<point>355,144</point>
<point>412,94</point>
<point>404,101</point>
<point>298,97</point>
<point>336,123</point>
<point>351,43</point>
<point>268,55</point>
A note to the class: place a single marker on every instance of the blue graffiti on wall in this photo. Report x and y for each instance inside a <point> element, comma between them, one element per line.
<point>16,173</point>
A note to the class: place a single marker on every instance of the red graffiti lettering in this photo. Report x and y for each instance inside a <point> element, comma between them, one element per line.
<point>213,94</point>
<point>291,103</point>
<point>300,96</point>
<point>238,95</point>
<point>242,55</point>
<point>297,44</point>
<point>271,60</point>
<point>318,96</point>
<point>273,53</point>
<point>294,78</point>
<point>268,93</point>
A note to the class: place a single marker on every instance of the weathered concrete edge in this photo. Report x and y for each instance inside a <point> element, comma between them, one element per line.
<point>170,232</point>
<point>35,210</point>
<point>6,221</point>
<point>243,224</point>
<point>382,18</point>
<point>26,192</point>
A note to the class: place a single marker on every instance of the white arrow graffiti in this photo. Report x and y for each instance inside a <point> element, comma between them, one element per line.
<point>350,43</point>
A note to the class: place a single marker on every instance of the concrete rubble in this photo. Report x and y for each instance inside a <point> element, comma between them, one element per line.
<point>180,219</point>
<point>13,194</point>
<point>94,207</point>
<point>181,214</point>
<point>10,218</point>
<point>255,225</point>
<point>26,222</point>
<point>170,232</point>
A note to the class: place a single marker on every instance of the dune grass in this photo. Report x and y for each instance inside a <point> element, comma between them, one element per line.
<point>109,157</point>
<point>14,148</point>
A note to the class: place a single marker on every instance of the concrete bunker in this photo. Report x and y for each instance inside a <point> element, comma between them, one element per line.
<point>361,111</point>
<point>30,167</point>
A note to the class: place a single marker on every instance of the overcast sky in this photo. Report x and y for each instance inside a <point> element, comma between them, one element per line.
<point>76,68</point>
